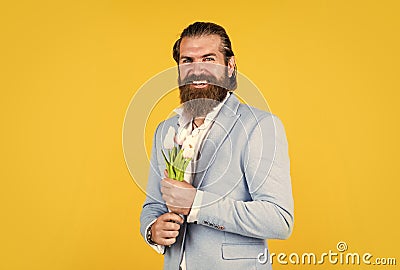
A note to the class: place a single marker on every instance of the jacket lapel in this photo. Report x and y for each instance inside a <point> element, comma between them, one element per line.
<point>219,131</point>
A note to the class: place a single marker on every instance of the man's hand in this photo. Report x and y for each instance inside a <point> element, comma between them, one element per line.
<point>179,196</point>
<point>166,228</point>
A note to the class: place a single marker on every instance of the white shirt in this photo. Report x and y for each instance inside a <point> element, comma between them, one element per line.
<point>196,136</point>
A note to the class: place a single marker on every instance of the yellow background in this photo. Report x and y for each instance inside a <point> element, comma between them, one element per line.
<point>329,70</point>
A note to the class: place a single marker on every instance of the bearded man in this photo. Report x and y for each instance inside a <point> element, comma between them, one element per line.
<point>237,189</point>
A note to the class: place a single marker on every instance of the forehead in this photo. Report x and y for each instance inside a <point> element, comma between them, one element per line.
<point>202,45</point>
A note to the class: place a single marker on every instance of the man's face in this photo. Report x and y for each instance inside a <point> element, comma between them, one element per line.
<point>203,75</point>
<point>201,56</point>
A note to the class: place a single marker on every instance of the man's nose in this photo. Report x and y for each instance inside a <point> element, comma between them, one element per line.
<point>197,68</point>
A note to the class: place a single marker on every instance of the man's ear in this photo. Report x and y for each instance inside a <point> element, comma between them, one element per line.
<point>231,66</point>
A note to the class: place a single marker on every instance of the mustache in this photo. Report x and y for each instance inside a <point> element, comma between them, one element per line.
<point>206,78</point>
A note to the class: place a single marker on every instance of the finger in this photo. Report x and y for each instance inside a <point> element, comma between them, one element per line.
<point>165,183</point>
<point>173,217</point>
<point>167,241</point>
<point>171,226</point>
<point>169,234</point>
<point>169,182</point>
<point>165,191</point>
<point>166,173</point>
<point>177,218</point>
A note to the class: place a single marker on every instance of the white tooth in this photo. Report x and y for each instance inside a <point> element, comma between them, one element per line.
<point>200,82</point>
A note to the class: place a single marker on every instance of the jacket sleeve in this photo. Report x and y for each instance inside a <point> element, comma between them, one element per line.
<point>269,213</point>
<point>154,206</point>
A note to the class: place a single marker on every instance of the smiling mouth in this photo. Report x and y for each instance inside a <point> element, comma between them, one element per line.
<point>199,84</point>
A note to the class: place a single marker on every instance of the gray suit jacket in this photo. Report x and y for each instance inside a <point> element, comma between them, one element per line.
<point>244,173</point>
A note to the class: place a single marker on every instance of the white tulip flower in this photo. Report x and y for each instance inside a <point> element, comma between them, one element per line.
<point>181,136</point>
<point>169,139</point>
<point>188,152</point>
<point>188,143</point>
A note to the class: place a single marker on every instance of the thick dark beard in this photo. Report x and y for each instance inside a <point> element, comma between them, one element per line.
<point>198,102</point>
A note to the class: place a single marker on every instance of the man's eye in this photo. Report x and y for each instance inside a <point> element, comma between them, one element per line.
<point>209,59</point>
<point>185,61</point>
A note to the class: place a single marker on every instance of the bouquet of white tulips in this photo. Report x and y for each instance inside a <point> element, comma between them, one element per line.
<point>180,152</point>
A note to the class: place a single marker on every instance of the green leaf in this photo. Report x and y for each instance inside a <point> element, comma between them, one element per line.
<point>167,164</point>
<point>171,155</point>
<point>165,158</point>
<point>177,165</point>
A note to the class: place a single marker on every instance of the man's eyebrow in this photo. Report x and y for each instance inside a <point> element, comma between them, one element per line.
<point>205,55</point>
<point>209,54</point>
<point>185,57</point>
